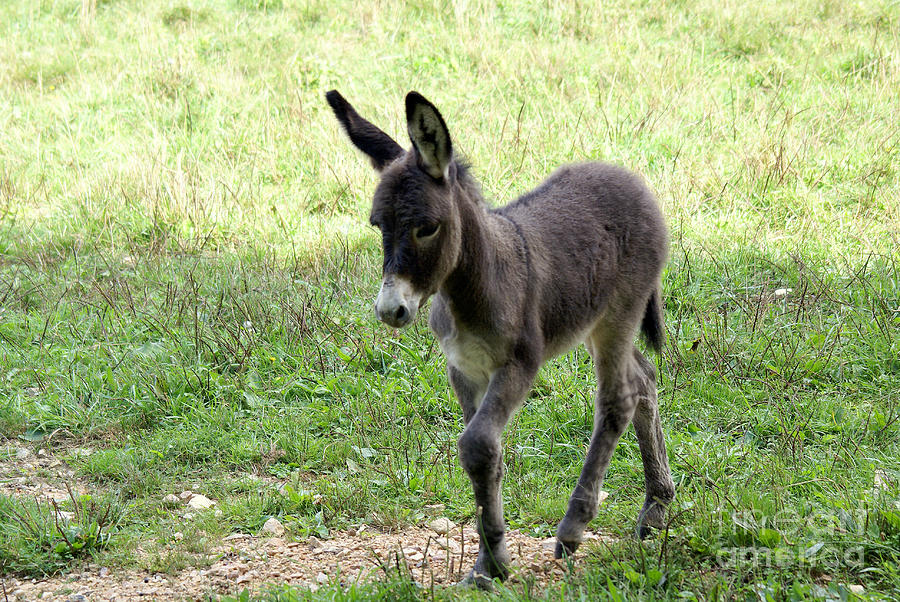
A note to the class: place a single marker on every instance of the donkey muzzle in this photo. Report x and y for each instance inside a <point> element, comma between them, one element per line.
<point>397,301</point>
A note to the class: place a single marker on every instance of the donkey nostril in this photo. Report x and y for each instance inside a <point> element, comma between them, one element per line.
<point>401,313</point>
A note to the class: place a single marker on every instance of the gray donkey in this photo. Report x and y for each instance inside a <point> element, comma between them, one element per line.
<point>577,259</point>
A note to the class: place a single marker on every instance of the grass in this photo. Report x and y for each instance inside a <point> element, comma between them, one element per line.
<point>186,274</point>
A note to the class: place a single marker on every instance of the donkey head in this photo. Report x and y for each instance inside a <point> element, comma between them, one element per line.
<point>413,206</point>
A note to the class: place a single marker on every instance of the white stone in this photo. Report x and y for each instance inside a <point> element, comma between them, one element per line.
<point>171,500</point>
<point>441,525</point>
<point>200,502</point>
<point>178,536</point>
<point>857,589</point>
<point>273,527</point>
<point>783,292</point>
<point>322,578</point>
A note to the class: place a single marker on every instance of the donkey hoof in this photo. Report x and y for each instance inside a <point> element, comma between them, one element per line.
<point>565,549</point>
<point>643,531</point>
<point>477,580</point>
<point>651,518</point>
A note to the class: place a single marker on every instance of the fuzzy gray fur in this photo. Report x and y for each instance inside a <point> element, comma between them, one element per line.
<point>578,259</point>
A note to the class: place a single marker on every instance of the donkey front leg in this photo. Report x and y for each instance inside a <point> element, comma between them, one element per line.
<point>469,392</point>
<point>480,456</point>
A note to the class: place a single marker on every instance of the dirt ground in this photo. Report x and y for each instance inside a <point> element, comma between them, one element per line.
<point>437,553</point>
<point>253,562</point>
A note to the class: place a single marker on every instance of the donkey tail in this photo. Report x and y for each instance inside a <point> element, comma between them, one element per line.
<point>652,326</point>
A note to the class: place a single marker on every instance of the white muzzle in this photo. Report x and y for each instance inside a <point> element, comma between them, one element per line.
<point>397,301</point>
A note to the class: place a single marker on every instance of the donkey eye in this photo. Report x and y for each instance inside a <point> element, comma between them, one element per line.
<point>427,231</point>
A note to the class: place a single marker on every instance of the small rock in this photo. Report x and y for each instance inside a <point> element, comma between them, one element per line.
<point>783,292</point>
<point>321,578</point>
<point>857,589</point>
<point>185,495</point>
<point>200,502</point>
<point>315,544</point>
<point>103,571</point>
<point>441,525</point>
<point>77,598</point>
<point>244,578</point>
<point>42,453</point>
<point>272,527</point>
<point>171,500</point>
<point>22,453</point>
<point>549,544</point>
<point>235,536</point>
<point>178,536</point>
<point>66,516</point>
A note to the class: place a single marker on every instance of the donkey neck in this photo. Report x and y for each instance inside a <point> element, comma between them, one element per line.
<point>486,252</point>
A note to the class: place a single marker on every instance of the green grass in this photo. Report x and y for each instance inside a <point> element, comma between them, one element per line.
<point>186,273</point>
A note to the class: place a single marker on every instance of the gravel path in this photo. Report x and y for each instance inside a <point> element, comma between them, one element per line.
<point>253,562</point>
<point>438,553</point>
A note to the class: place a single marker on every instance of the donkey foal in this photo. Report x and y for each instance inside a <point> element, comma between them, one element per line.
<point>577,259</point>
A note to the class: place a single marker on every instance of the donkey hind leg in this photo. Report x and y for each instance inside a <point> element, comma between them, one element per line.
<point>620,383</point>
<point>480,456</point>
<point>657,477</point>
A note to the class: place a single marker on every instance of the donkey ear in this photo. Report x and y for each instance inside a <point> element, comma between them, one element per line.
<point>429,135</point>
<point>380,147</point>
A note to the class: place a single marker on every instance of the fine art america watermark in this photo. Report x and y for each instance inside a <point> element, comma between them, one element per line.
<point>825,540</point>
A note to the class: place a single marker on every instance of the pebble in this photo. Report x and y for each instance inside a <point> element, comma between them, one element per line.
<point>857,589</point>
<point>171,500</point>
<point>200,502</point>
<point>186,495</point>
<point>272,527</point>
<point>441,525</point>
<point>322,578</point>
<point>178,536</point>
